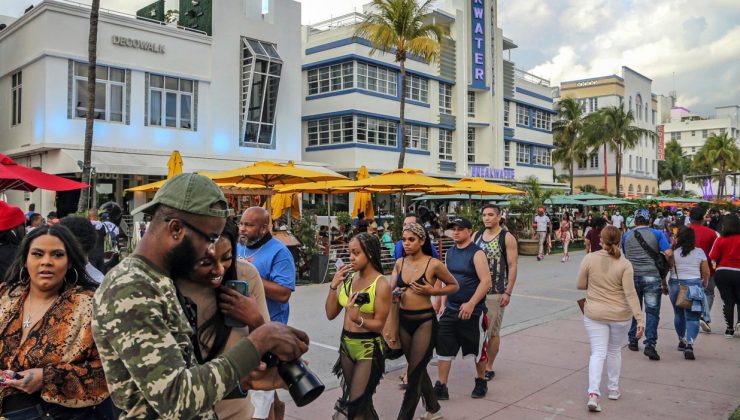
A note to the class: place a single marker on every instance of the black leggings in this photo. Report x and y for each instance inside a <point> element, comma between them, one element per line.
<point>728,283</point>
<point>417,333</point>
<point>359,368</point>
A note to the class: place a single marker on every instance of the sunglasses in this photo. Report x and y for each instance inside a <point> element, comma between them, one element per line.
<point>211,239</point>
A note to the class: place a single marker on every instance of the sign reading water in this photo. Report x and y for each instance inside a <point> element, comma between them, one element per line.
<point>478,42</point>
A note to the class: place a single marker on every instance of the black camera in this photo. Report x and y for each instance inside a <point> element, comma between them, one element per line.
<point>362,298</point>
<point>304,386</point>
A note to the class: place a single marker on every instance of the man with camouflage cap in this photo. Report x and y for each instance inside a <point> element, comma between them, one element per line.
<point>140,329</point>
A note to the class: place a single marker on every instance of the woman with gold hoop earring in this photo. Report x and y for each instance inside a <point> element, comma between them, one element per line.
<point>51,367</point>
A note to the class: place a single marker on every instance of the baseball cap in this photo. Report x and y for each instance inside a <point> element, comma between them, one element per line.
<point>191,193</point>
<point>460,222</point>
<point>642,214</point>
<point>10,216</point>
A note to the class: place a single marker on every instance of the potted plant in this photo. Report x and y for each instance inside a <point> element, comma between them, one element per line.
<point>305,231</point>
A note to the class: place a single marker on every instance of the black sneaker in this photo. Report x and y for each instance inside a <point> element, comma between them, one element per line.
<point>681,346</point>
<point>481,388</point>
<point>688,354</point>
<point>441,391</point>
<point>729,333</point>
<point>633,346</point>
<point>651,353</point>
<point>489,375</point>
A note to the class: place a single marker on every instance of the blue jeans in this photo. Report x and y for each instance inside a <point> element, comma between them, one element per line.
<point>648,289</point>
<point>685,321</point>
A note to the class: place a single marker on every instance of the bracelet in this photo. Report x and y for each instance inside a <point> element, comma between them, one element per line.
<point>334,288</point>
<point>507,293</point>
<point>362,321</point>
<point>241,391</point>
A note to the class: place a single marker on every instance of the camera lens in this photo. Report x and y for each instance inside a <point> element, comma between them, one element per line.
<point>304,386</point>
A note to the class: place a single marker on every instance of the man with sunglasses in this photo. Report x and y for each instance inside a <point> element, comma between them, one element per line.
<point>141,332</point>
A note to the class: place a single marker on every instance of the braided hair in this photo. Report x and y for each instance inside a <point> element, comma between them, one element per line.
<point>370,245</point>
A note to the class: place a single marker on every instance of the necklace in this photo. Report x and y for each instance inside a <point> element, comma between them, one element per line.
<point>27,322</point>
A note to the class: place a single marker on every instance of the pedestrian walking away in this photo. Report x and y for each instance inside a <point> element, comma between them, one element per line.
<point>611,299</point>
<point>365,297</point>
<point>542,226</point>
<point>726,256</point>
<point>501,251</point>
<point>565,233</point>
<point>463,323</point>
<point>642,247</point>
<point>414,279</point>
<point>705,238</point>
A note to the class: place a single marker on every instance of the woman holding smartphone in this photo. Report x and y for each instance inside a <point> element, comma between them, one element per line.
<point>210,306</point>
<point>415,277</point>
<point>365,297</point>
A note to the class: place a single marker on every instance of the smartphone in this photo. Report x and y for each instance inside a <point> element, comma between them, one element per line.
<point>339,263</point>
<point>241,287</point>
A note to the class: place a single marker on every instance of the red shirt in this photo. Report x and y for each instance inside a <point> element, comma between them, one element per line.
<point>594,236</point>
<point>726,252</point>
<point>705,238</point>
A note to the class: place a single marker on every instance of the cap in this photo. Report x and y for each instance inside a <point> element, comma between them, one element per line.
<point>10,216</point>
<point>191,193</point>
<point>460,222</point>
<point>541,209</point>
<point>381,227</point>
<point>642,214</point>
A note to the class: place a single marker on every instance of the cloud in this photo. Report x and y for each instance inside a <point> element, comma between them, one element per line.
<point>687,101</point>
<point>532,11</point>
<point>585,15</point>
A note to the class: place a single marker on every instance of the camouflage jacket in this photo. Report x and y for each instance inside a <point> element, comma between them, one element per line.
<point>144,342</point>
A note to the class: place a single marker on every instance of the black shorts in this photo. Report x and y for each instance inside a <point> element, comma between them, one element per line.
<point>469,334</point>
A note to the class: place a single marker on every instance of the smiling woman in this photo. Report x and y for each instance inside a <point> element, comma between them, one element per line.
<point>45,322</point>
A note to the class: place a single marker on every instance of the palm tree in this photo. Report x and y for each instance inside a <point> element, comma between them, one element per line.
<point>720,152</point>
<point>675,166</point>
<point>399,25</point>
<point>92,52</point>
<point>569,144</point>
<point>612,127</point>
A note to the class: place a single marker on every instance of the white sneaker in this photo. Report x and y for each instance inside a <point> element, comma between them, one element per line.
<point>704,326</point>
<point>593,403</point>
<point>432,416</point>
<point>614,394</point>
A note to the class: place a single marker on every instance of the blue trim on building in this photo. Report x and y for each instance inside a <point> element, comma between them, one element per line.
<point>365,146</point>
<point>348,57</point>
<point>520,102</point>
<point>486,89</point>
<point>447,166</point>
<point>508,132</point>
<point>349,41</point>
<point>529,165</point>
<point>353,90</point>
<point>369,114</point>
<point>477,124</point>
<point>417,103</point>
<point>531,143</point>
<point>533,94</point>
<point>533,129</point>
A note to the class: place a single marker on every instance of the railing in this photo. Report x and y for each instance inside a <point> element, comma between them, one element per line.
<point>349,19</point>
<point>521,74</point>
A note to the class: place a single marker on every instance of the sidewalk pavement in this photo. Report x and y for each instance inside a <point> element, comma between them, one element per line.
<point>542,373</point>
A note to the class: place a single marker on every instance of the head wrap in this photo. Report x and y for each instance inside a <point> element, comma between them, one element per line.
<point>416,229</point>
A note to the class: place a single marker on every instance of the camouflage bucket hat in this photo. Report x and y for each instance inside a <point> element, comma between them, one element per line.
<point>191,193</point>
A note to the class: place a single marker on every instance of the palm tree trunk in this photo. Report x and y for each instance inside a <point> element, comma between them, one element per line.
<point>401,115</point>
<point>722,176</point>
<point>82,204</point>
<point>570,174</point>
<point>618,169</point>
<point>606,177</point>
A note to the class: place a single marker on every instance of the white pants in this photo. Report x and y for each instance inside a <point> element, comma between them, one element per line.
<point>262,401</point>
<point>606,340</point>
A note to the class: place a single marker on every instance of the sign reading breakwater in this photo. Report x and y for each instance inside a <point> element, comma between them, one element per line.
<point>139,44</point>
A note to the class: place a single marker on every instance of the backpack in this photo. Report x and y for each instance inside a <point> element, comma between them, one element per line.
<point>504,262</point>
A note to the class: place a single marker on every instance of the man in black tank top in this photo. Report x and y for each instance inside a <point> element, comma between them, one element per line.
<point>464,323</point>
<point>501,250</point>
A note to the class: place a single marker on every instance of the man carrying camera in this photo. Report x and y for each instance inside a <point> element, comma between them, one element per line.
<point>139,326</point>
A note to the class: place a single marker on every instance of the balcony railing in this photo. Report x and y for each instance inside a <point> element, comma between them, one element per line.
<point>521,74</point>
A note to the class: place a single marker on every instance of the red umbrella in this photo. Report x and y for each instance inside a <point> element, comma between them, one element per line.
<point>18,177</point>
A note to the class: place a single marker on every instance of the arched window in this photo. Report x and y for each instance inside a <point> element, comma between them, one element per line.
<point>630,104</point>
<point>630,189</point>
<point>647,189</point>
<point>639,189</point>
<point>638,106</point>
<point>646,111</point>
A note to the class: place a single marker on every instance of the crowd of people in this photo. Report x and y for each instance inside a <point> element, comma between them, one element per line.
<point>190,324</point>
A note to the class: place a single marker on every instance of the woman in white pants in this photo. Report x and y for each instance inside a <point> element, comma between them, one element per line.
<point>611,302</point>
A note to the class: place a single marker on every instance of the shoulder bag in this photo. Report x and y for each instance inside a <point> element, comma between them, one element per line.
<point>661,262</point>
<point>681,301</point>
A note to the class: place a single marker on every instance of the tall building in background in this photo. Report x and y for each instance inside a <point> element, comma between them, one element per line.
<point>633,92</point>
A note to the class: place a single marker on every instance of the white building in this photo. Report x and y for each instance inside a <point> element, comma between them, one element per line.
<point>692,130</point>
<point>633,92</point>
<point>457,108</point>
<point>222,100</point>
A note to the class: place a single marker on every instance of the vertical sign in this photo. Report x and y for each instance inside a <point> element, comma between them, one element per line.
<point>661,142</point>
<point>478,38</point>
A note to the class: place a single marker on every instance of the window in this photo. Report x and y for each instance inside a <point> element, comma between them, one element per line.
<point>170,102</point>
<point>471,145</point>
<point>506,113</point>
<point>471,104</point>
<point>630,103</point>
<point>417,137</point>
<point>630,189</point>
<point>15,93</point>
<point>445,144</point>
<point>261,67</point>
<point>703,134</point>
<point>653,120</point>
<point>522,115</point>
<point>646,112</point>
<point>377,79</point>
<point>721,131</point>
<point>522,153</point>
<point>110,87</point>
<point>594,160</point>
<point>639,189</point>
<point>630,163</point>
<point>417,88</point>
<point>582,163</point>
<point>593,103</point>
<point>676,135</point>
<point>376,131</point>
<point>541,119</point>
<point>638,107</point>
<point>654,164</point>
<point>507,150</point>
<point>330,78</point>
<point>445,98</point>
<point>693,133</point>
<point>541,156</point>
<point>330,131</point>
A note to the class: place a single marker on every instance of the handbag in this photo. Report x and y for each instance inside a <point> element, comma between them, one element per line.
<point>392,349</point>
<point>681,300</point>
<point>581,303</point>
<point>661,262</point>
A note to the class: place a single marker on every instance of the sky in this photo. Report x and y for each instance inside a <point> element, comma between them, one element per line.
<point>690,46</point>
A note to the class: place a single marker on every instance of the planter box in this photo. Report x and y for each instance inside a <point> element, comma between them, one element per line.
<point>528,246</point>
<point>319,264</point>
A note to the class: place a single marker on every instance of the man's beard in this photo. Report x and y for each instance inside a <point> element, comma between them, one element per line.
<point>181,259</point>
<point>253,241</point>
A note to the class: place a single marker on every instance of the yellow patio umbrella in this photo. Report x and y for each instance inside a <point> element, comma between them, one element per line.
<point>478,186</point>
<point>174,165</point>
<point>363,200</point>
<point>340,186</point>
<point>281,202</point>
<point>154,186</point>
<point>269,174</point>
<point>402,180</point>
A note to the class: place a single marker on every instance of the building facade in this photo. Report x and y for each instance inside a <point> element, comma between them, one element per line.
<point>223,100</point>
<point>633,92</point>
<point>460,109</point>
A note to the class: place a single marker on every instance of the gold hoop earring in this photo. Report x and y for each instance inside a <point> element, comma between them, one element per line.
<point>24,281</point>
<point>77,278</point>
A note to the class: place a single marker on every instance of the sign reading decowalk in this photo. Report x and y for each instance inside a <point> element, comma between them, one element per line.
<point>478,42</point>
<point>138,44</point>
